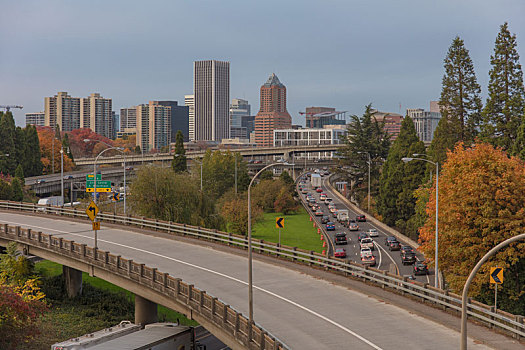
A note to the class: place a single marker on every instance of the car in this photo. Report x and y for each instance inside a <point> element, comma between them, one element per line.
<point>420,268</point>
<point>325,219</point>
<point>360,218</point>
<point>40,181</point>
<point>367,243</point>
<point>340,253</point>
<point>389,239</point>
<point>327,201</point>
<point>353,226</point>
<point>331,209</point>
<point>303,190</point>
<point>366,251</point>
<point>331,205</point>
<point>319,190</point>
<point>361,236</point>
<point>394,245</point>
<point>68,177</point>
<point>334,213</point>
<point>322,197</point>
<point>369,260</point>
<point>372,232</point>
<point>319,212</point>
<point>408,258</point>
<point>404,249</point>
<point>257,162</point>
<point>330,226</point>
<point>129,168</point>
<point>340,238</point>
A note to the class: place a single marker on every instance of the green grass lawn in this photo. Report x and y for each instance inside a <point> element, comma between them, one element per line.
<point>298,231</point>
<point>47,268</point>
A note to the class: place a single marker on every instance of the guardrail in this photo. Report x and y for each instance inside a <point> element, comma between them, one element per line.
<point>512,324</point>
<point>250,335</point>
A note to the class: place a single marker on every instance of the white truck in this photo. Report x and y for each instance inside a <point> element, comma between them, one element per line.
<point>342,215</point>
<point>49,201</point>
<point>316,181</point>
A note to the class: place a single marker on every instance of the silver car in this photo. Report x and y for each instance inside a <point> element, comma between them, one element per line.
<point>372,232</point>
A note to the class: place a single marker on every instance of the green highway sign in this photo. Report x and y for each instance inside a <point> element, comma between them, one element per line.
<point>100,184</point>
<point>90,177</point>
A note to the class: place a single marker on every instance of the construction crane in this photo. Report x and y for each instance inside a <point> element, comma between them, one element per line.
<point>8,107</point>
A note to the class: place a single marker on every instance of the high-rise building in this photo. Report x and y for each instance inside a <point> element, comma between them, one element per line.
<point>37,119</point>
<point>179,119</point>
<point>272,113</point>
<point>239,108</point>
<point>318,117</point>
<point>153,126</point>
<point>189,101</point>
<point>128,118</point>
<point>392,122</point>
<point>115,125</point>
<point>96,114</point>
<point>211,86</point>
<point>63,111</point>
<point>425,122</point>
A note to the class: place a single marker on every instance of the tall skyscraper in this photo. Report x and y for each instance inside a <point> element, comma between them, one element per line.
<point>239,108</point>
<point>189,101</point>
<point>96,113</point>
<point>153,126</point>
<point>62,110</point>
<point>211,86</point>
<point>128,118</point>
<point>272,114</point>
<point>37,119</point>
<point>179,119</point>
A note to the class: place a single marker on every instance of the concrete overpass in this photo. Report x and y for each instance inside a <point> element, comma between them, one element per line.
<point>306,308</point>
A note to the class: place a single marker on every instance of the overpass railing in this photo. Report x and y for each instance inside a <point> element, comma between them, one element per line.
<point>250,335</point>
<point>512,324</point>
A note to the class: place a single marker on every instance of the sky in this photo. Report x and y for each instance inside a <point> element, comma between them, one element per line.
<point>333,53</point>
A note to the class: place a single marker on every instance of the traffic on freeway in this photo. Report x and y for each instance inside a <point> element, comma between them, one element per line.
<point>363,242</point>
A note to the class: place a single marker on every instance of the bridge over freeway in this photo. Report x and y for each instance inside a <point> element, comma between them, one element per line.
<point>303,299</point>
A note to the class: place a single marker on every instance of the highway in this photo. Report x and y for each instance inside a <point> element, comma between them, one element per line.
<point>302,311</point>
<point>385,259</point>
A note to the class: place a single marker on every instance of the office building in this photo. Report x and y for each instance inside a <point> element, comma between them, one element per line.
<point>425,122</point>
<point>179,119</point>
<point>211,86</point>
<point>328,135</point>
<point>96,114</point>
<point>318,117</point>
<point>239,108</point>
<point>36,119</point>
<point>128,118</point>
<point>272,113</point>
<point>63,111</point>
<point>153,126</point>
<point>392,122</point>
<point>189,101</point>
<point>115,125</point>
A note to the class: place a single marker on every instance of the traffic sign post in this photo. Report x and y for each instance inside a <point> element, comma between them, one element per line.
<point>102,186</point>
<point>96,225</point>
<point>496,277</point>
<point>279,223</point>
<point>90,177</point>
<point>92,212</point>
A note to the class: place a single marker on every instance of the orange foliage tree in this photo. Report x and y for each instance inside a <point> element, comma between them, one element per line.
<point>45,137</point>
<point>80,149</point>
<point>481,203</point>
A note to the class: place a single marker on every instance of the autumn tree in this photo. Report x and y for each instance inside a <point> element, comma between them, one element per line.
<point>460,102</point>
<point>79,148</point>
<point>506,101</point>
<point>285,203</point>
<point>179,158</point>
<point>265,193</point>
<point>49,146</point>
<point>234,210</point>
<point>481,204</point>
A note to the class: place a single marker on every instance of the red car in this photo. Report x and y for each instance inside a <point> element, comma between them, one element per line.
<point>319,190</point>
<point>340,253</point>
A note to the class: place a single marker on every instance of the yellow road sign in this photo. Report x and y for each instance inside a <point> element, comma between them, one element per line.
<point>496,275</point>
<point>279,222</point>
<point>96,225</point>
<point>99,189</point>
<point>92,211</point>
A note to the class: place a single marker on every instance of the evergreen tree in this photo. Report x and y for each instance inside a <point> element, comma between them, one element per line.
<point>519,145</point>
<point>399,180</point>
<point>365,134</point>
<point>5,190</point>
<point>19,172</point>
<point>17,194</point>
<point>20,146</point>
<point>32,161</point>
<point>179,158</point>
<point>506,101</point>
<point>460,102</point>
<point>7,143</point>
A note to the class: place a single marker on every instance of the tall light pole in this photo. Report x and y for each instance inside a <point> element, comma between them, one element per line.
<point>369,166</point>
<point>436,268</point>
<point>62,173</point>
<point>250,277</point>
<point>235,155</point>
<point>200,162</point>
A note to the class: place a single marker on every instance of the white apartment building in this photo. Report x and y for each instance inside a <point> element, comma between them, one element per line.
<point>37,119</point>
<point>153,126</point>
<point>63,111</point>
<point>189,100</point>
<point>425,123</point>
<point>96,114</point>
<point>329,135</point>
<point>211,87</point>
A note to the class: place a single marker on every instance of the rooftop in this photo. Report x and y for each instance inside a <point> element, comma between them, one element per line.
<point>273,81</point>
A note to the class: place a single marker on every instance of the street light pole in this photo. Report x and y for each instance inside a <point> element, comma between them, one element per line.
<point>62,173</point>
<point>235,173</point>
<point>200,162</point>
<point>436,267</point>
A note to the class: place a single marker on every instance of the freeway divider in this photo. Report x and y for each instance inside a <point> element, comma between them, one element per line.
<point>511,324</point>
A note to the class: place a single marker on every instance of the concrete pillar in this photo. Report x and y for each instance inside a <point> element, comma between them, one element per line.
<point>73,279</point>
<point>145,311</point>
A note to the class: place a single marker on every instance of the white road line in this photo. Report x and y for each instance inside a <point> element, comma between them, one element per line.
<point>397,267</point>
<point>349,331</point>
<point>380,258</point>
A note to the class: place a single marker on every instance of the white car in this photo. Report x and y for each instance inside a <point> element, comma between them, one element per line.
<point>328,201</point>
<point>372,232</point>
<point>367,243</point>
<point>366,252</point>
<point>353,226</point>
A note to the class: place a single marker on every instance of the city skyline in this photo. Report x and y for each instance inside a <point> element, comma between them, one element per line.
<point>396,60</point>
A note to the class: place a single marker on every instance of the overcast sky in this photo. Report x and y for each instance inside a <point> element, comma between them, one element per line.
<point>337,53</point>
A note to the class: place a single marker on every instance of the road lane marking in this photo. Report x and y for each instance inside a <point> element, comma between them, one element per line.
<point>324,318</point>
